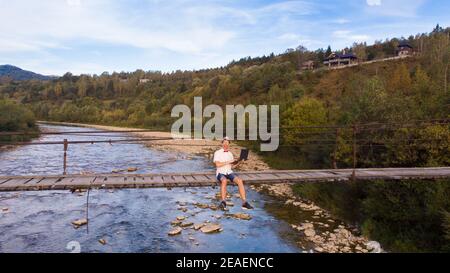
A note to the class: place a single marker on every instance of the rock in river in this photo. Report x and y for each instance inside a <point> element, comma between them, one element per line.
<point>242,216</point>
<point>210,228</point>
<point>199,226</point>
<point>186,224</point>
<point>181,218</point>
<point>102,241</point>
<point>79,223</point>
<point>175,231</point>
<point>310,232</point>
<point>202,206</point>
<point>229,203</point>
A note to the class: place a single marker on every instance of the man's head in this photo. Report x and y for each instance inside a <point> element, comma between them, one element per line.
<point>225,143</point>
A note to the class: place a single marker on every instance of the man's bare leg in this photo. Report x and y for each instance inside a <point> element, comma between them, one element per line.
<point>240,184</point>
<point>223,188</point>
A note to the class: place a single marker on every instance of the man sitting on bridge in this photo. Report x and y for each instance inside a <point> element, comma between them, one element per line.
<point>224,160</point>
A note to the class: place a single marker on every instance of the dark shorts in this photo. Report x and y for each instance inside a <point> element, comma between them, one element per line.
<point>230,176</point>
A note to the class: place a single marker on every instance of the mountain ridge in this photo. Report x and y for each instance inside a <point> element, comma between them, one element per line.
<point>18,74</point>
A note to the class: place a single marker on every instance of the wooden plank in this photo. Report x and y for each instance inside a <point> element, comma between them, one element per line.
<point>210,177</point>
<point>285,176</point>
<point>152,180</point>
<point>191,180</point>
<point>3,180</point>
<point>108,182</point>
<point>203,178</point>
<point>39,183</point>
<point>14,183</point>
<point>142,182</point>
<point>168,179</point>
<point>267,177</point>
<point>77,182</point>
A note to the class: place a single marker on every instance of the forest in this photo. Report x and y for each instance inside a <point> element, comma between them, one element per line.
<point>384,114</point>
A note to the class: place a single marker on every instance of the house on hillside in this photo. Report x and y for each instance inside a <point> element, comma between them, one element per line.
<point>336,60</point>
<point>309,65</point>
<point>404,49</point>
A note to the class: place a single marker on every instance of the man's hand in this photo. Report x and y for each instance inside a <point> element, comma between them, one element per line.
<point>236,163</point>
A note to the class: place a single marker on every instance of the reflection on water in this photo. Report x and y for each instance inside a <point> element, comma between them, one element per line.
<point>129,220</point>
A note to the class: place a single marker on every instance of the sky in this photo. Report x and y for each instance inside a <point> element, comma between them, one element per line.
<point>53,37</point>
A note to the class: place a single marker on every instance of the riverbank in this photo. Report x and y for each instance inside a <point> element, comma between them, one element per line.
<point>323,232</point>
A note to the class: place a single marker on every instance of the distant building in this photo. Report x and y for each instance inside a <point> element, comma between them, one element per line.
<point>144,80</point>
<point>336,59</point>
<point>309,65</point>
<point>404,49</point>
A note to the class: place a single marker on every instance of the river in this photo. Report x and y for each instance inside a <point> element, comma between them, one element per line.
<point>128,220</point>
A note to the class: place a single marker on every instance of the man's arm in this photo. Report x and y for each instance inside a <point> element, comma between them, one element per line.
<point>221,164</point>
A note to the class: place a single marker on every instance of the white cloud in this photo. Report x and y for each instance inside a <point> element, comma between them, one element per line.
<point>342,21</point>
<point>374,2</point>
<point>397,8</point>
<point>101,21</point>
<point>349,36</point>
<point>298,7</point>
<point>289,36</point>
<point>73,2</point>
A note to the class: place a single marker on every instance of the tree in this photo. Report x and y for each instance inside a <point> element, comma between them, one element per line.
<point>328,52</point>
<point>400,80</point>
<point>82,86</point>
<point>360,51</point>
<point>438,29</point>
<point>306,112</point>
<point>58,90</point>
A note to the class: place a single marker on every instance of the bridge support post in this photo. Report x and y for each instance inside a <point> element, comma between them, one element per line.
<point>66,144</point>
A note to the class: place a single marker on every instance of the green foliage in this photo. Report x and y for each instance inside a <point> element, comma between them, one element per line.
<point>407,216</point>
<point>447,229</point>
<point>14,118</point>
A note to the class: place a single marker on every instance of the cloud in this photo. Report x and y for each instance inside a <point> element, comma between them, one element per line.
<point>342,21</point>
<point>373,2</point>
<point>297,7</point>
<point>73,2</point>
<point>349,36</point>
<point>289,36</point>
<point>397,8</point>
<point>103,21</point>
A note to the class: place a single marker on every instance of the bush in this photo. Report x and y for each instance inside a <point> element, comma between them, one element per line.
<point>405,216</point>
<point>14,118</point>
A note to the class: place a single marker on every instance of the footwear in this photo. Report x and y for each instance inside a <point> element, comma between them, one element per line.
<point>222,205</point>
<point>247,205</point>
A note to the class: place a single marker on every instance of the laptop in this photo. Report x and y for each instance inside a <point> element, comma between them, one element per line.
<point>244,155</point>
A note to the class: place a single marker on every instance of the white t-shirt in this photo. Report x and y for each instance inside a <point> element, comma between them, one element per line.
<point>222,156</point>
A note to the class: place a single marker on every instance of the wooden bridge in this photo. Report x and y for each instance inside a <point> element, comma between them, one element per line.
<point>169,180</point>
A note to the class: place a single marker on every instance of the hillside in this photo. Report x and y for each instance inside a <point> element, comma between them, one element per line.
<point>18,74</point>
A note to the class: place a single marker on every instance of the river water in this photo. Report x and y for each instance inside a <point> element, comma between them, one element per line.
<point>129,220</point>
